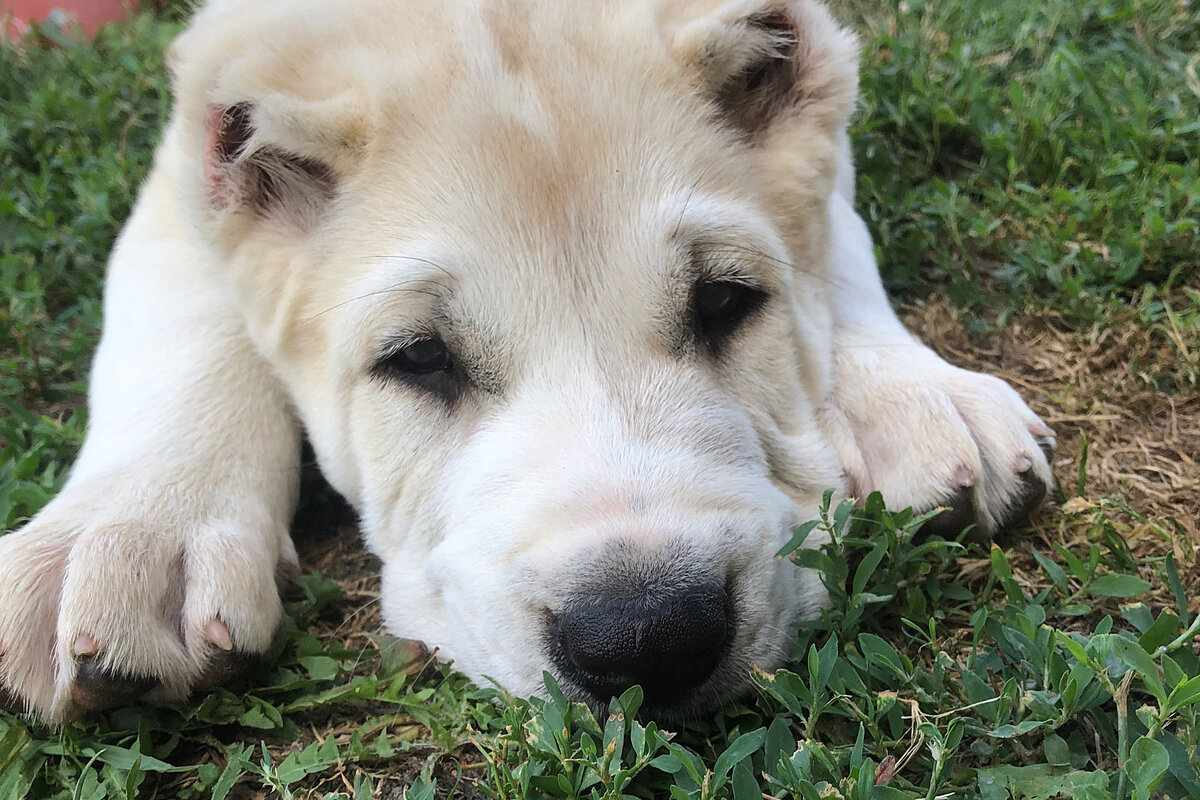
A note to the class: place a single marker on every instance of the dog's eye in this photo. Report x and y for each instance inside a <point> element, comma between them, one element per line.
<point>721,306</point>
<point>420,357</point>
<point>424,364</point>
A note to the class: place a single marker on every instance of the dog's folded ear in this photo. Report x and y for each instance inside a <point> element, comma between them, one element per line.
<point>766,63</point>
<point>282,158</point>
<point>245,172</point>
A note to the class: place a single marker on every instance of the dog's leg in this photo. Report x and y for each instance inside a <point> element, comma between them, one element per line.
<point>906,423</point>
<point>154,571</point>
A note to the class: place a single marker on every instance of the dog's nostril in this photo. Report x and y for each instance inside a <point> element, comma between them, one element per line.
<point>667,640</point>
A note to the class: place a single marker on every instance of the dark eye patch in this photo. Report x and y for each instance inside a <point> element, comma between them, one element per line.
<point>720,307</point>
<point>424,363</point>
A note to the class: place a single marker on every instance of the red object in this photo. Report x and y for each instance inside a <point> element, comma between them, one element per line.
<point>15,15</point>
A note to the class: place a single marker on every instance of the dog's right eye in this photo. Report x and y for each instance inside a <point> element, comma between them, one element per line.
<point>720,307</point>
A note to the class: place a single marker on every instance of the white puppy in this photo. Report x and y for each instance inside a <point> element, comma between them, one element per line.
<point>573,304</point>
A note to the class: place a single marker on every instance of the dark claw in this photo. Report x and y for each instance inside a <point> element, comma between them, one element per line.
<point>9,702</point>
<point>1047,444</point>
<point>959,514</point>
<point>222,667</point>
<point>96,689</point>
<point>1029,496</point>
<point>285,573</point>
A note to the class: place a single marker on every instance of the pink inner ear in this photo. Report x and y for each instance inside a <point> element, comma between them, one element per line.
<point>227,130</point>
<point>260,178</point>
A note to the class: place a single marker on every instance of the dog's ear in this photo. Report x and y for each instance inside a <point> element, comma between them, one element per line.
<point>245,172</point>
<point>765,63</point>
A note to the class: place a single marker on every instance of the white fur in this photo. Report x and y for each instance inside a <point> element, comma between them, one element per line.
<point>536,172</point>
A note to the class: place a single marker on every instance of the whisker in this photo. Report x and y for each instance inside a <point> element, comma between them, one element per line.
<point>442,288</point>
<point>376,293</point>
<point>687,200</point>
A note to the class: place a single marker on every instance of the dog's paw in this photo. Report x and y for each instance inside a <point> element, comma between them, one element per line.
<point>925,434</point>
<point>108,597</point>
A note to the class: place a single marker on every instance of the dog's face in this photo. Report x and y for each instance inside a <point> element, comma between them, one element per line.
<point>546,283</point>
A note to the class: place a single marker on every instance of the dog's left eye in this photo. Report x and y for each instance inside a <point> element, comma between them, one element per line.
<point>423,364</point>
<point>420,357</point>
<point>721,306</point>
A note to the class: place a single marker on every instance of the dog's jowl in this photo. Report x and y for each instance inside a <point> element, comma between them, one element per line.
<point>571,301</point>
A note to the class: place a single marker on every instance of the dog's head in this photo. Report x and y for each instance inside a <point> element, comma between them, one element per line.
<point>547,284</point>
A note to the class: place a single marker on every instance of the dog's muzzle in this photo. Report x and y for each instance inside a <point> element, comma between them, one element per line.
<point>668,634</point>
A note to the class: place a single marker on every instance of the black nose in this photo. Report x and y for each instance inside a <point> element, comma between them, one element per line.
<point>667,640</point>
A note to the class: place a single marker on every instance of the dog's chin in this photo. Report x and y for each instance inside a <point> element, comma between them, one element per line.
<point>732,681</point>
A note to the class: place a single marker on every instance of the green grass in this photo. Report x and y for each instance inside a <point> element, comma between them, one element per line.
<point>1051,147</point>
<point>1012,155</point>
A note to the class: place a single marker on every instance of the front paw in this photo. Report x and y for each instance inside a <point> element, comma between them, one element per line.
<point>108,597</point>
<point>926,434</point>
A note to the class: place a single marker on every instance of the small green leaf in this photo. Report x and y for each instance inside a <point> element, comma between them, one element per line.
<point>690,765</point>
<point>420,790</point>
<point>14,778</point>
<point>841,515</point>
<point>1056,750</point>
<point>1181,768</point>
<point>738,749</point>
<point>133,778</point>
<point>1053,571</point>
<point>1075,610</point>
<point>552,688</point>
<point>1183,695</point>
<point>1020,729</point>
<point>1180,594</point>
<point>125,759</point>
<point>779,742</point>
<point>798,536</point>
<point>1113,585</point>
<point>1147,762</point>
<point>631,701</point>
<point>878,651</point>
<point>1132,654</point>
<point>868,566</point>
<point>319,668</point>
<point>1004,574</point>
<point>1164,629</point>
<point>667,763</point>
<point>235,767</point>
<point>744,785</point>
